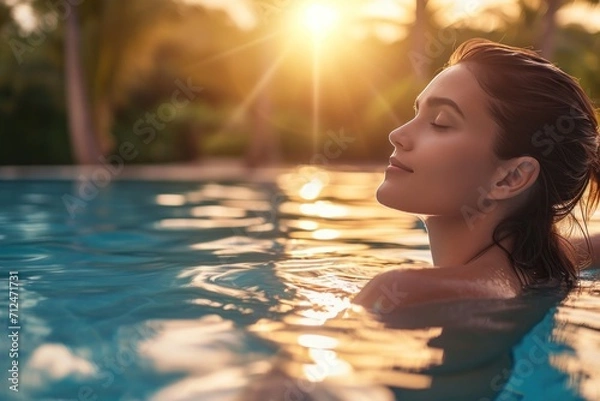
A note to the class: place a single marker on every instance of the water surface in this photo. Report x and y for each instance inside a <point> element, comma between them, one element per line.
<point>231,290</point>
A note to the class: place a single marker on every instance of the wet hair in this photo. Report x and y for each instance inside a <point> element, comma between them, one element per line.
<point>541,112</point>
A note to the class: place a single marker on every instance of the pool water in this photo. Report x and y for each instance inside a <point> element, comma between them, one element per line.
<point>221,289</point>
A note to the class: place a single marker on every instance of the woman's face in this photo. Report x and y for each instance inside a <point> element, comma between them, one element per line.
<point>446,149</point>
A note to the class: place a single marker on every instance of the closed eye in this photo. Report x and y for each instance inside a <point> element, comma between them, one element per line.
<point>440,127</point>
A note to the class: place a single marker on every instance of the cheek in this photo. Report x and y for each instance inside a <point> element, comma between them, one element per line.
<point>444,183</point>
<point>460,180</point>
<point>459,165</point>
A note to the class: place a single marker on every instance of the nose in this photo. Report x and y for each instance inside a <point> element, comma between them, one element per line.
<point>400,137</point>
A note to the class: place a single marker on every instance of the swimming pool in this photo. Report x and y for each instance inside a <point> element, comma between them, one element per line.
<point>192,286</point>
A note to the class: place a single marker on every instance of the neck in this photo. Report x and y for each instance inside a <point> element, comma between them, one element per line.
<point>455,242</point>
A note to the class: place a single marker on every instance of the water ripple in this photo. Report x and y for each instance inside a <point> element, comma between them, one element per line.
<point>230,291</point>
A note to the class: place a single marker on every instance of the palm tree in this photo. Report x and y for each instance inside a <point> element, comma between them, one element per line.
<point>122,30</point>
<point>418,34</point>
<point>109,29</point>
<point>84,142</point>
<point>547,40</point>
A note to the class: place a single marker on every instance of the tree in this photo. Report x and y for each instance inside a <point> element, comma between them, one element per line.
<point>97,35</point>
<point>547,40</point>
<point>418,34</point>
<point>84,142</point>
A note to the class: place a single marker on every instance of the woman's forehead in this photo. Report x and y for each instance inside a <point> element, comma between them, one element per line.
<point>458,84</point>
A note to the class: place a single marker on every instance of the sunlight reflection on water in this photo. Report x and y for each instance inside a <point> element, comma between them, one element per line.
<point>242,291</point>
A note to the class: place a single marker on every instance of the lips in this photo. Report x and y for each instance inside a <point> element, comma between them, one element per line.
<point>396,163</point>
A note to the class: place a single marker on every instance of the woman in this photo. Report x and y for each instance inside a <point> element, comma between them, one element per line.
<point>501,150</point>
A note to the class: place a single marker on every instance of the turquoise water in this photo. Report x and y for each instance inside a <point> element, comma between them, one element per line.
<point>228,290</point>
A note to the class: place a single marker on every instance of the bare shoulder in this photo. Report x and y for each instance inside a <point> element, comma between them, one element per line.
<point>588,253</point>
<point>402,287</point>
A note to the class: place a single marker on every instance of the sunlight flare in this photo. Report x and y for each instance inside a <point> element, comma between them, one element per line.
<point>312,189</point>
<point>320,18</point>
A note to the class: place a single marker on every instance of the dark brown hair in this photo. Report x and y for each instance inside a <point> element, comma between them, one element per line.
<point>542,112</point>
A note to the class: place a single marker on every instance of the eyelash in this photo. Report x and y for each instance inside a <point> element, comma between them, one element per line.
<point>434,125</point>
<point>439,127</point>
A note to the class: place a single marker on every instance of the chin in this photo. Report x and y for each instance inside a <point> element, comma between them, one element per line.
<point>392,198</point>
<point>381,196</point>
<point>388,197</point>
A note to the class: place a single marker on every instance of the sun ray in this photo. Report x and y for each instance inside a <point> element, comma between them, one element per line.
<point>316,96</point>
<point>374,90</point>
<point>381,100</point>
<point>234,50</point>
<point>255,92</point>
<point>319,18</point>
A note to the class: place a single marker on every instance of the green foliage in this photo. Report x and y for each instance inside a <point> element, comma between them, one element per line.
<point>32,113</point>
<point>33,130</point>
<point>578,53</point>
<point>135,52</point>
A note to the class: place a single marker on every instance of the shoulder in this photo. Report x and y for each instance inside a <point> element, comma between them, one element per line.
<point>403,287</point>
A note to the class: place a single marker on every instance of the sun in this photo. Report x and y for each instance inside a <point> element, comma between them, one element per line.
<point>319,18</point>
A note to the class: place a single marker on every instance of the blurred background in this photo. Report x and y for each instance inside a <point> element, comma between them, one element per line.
<point>279,81</point>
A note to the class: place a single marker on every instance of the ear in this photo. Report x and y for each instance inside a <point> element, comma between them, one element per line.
<point>513,177</point>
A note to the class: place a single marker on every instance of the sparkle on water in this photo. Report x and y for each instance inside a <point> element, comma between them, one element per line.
<point>229,290</point>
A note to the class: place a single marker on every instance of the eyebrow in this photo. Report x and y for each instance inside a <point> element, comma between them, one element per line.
<point>440,101</point>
